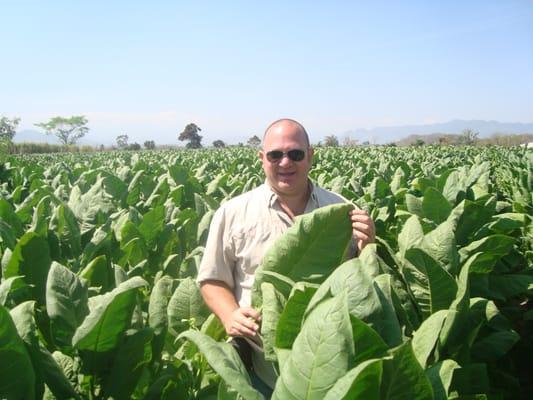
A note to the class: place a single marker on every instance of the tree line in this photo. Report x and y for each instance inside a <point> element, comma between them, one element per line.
<point>68,130</point>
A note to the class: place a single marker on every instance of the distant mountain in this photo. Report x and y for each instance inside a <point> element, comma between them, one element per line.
<point>380,135</point>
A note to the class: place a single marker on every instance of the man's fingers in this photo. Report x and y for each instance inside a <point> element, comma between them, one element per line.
<point>362,227</point>
<point>250,312</point>
<point>248,323</point>
<point>243,322</point>
<point>239,329</point>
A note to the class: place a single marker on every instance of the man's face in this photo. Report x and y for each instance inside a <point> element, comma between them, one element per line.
<point>286,176</point>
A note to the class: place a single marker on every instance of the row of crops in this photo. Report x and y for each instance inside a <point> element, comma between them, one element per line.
<point>99,253</point>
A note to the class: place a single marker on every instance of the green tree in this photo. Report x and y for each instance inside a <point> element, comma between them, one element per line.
<point>190,133</point>
<point>149,145</point>
<point>8,128</point>
<point>419,142</point>
<point>67,130</point>
<point>122,141</point>
<point>134,146</point>
<point>254,141</point>
<point>219,143</point>
<point>469,137</point>
<point>331,141</point>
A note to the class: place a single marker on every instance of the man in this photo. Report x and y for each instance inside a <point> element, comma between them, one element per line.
<point>245,227</point>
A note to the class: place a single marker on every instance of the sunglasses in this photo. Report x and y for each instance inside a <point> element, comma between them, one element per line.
<point>277,155</point>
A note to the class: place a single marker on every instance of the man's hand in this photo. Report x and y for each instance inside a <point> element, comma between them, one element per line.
<point>364,231</point>
<point>244,321</point>
<point>238,321</point>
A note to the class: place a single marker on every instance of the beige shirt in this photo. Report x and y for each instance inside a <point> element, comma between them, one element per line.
<point>241,232</point>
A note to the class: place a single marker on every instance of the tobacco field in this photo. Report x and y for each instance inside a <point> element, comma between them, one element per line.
<point>99,254</point>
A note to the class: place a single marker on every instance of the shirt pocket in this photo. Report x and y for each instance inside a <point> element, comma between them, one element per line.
<point>251,244</point>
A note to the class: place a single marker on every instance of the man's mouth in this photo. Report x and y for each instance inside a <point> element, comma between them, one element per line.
<point>286,174</point>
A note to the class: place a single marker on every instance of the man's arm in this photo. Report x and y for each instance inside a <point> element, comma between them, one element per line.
<point>238,321</point>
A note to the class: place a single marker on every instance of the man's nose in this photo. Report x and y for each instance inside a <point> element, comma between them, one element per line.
<point>285,160</point>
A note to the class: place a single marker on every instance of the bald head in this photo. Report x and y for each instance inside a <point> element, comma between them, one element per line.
<point>286,124</point>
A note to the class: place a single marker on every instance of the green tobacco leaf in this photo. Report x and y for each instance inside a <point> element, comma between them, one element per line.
<point>223,358</point>
<point>440,375</point>
<point>432,286</point>
<point>98,202</point>
<point>388,326</point>
<point>411,235</point>
<point>65,226</point>
<point>66,303</point>
<point>45,366</point>
<point>132,357</point>
<point>8,216</point>
<point>186,303</point>
<point>291,319</point>
<point>203,227</point>
<point>157,306</point>
<point>435,206</point>
<point>474,215</point>
<point>361,382</point>
<point>17,378</point>
<point>471,379</point>
<point>495,345</point>
<point>453,332</point>
<point>312,248</point>
<point>403,377</point>
<point>31,258</point>
<point>366,299</point>
<point>98,273</point>
<point>100,241</point>
<point>440,244</point>
<point>213,328</point>
<point>487,252</point>
<point>11,289</point>
<point>414,204</point>
<point>109,318</point>
<point>322,353</point>
<point>282,284</point>
<point>273,303</point>
<point>427,335</point>
<point>152,225</point>
<point>367,343</point>
<point>7,235</point>
<point>454,186</point>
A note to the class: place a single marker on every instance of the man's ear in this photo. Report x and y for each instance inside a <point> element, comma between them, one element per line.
<point>310,153</point>
<point>261,154</point>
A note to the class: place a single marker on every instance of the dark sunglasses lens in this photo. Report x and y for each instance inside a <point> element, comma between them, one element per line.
<point>296,155</point>
<point>274,155</point>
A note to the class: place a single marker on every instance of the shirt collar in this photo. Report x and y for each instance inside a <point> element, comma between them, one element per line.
<point>271,196</point>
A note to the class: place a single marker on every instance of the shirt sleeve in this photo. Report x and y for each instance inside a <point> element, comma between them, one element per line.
<point>218,261</point>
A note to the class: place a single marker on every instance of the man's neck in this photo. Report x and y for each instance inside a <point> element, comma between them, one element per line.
<point>294,205</point>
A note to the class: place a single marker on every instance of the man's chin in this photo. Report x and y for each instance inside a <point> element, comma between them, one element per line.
<point>284,187</point>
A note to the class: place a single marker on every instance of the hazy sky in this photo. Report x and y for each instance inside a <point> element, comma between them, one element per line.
<point>147,69</point>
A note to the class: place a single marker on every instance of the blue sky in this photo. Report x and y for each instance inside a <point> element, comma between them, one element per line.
<point>146,69</point>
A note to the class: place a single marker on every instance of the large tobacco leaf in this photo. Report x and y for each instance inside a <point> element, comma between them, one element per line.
<point>433,287</point>
<point>31,259</point>
<point>223,358</point>
<point>47,370</point>
<point>310,249</point>
<point>186,304</point>
<point>109,318</point>
<point>17,378</point>
<point>66,302</point>
<point>322,353</point>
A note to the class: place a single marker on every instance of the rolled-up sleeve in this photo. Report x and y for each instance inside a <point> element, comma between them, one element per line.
<point>218,261</point>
